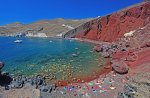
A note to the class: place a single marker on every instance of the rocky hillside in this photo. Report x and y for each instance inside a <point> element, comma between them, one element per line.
<point>112,27</point>
<point>47,27</point>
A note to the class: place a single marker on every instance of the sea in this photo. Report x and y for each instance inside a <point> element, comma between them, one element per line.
<point>63,58</point>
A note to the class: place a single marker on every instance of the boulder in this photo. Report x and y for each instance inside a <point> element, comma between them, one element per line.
<point>106,47</point>
<point>44,89</point>
<point>1,65</point>
<point>119,66</point>
<point>106,54</point>
<point>6,88</point>
<point>97,48</point>
<point>36,81</point>
<point>48,88</point>
<point>113,50</point>
<point>16,84</point>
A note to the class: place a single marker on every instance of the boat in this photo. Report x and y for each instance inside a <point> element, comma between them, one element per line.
<point>18,41</point>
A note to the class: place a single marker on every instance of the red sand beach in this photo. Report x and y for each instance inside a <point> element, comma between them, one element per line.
<point>123,40</point>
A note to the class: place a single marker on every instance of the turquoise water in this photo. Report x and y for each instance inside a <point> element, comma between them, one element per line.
<point>48,55</point>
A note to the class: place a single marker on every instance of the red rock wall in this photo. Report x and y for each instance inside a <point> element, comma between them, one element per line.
<point>111,27</point>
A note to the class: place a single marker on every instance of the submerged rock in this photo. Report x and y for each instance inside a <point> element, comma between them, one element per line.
<point>74,55</point>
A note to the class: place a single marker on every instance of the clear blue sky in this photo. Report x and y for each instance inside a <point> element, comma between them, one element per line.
<point>27,11</point>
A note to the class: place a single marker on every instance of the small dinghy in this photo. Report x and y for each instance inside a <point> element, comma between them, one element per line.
<point>18,41</point>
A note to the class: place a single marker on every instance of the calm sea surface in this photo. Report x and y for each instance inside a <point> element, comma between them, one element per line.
<point>60,57</point>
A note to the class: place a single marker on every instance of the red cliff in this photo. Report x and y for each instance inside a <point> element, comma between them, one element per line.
<point>111,27</point>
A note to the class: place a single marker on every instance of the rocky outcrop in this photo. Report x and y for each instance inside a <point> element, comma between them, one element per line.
<point>137,87</point>
<point>127,52</point>
<point>112,27</point>
<point>1,65</point>
<point>129,92</point>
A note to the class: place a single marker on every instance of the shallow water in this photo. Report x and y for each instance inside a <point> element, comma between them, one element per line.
<point>48,56</point>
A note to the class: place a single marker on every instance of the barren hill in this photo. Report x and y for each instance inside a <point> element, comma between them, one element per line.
<point>49,27</point>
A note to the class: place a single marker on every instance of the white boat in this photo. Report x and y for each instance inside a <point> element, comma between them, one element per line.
<point>50,41</point>
<point>18,41</point>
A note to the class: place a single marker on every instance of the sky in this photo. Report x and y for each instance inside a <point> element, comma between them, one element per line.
<point>27,11</point>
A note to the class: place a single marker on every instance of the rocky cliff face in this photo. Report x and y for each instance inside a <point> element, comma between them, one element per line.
<point>112,27</point>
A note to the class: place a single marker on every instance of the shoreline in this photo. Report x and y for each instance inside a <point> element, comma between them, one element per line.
<point>105,71</point>
<point>86,79</point>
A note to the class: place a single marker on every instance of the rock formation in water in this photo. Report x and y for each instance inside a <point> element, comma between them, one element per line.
<point>112,27</point>
<point>1,65</point>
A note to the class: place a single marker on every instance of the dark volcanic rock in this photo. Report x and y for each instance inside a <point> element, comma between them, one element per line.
<point>36,81</point>
<point>1,65</point>
<point>48,88</point>
<point>120,66</point>
<point>129,89</point>
<point>129,92</point>
<point>5,79</point>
